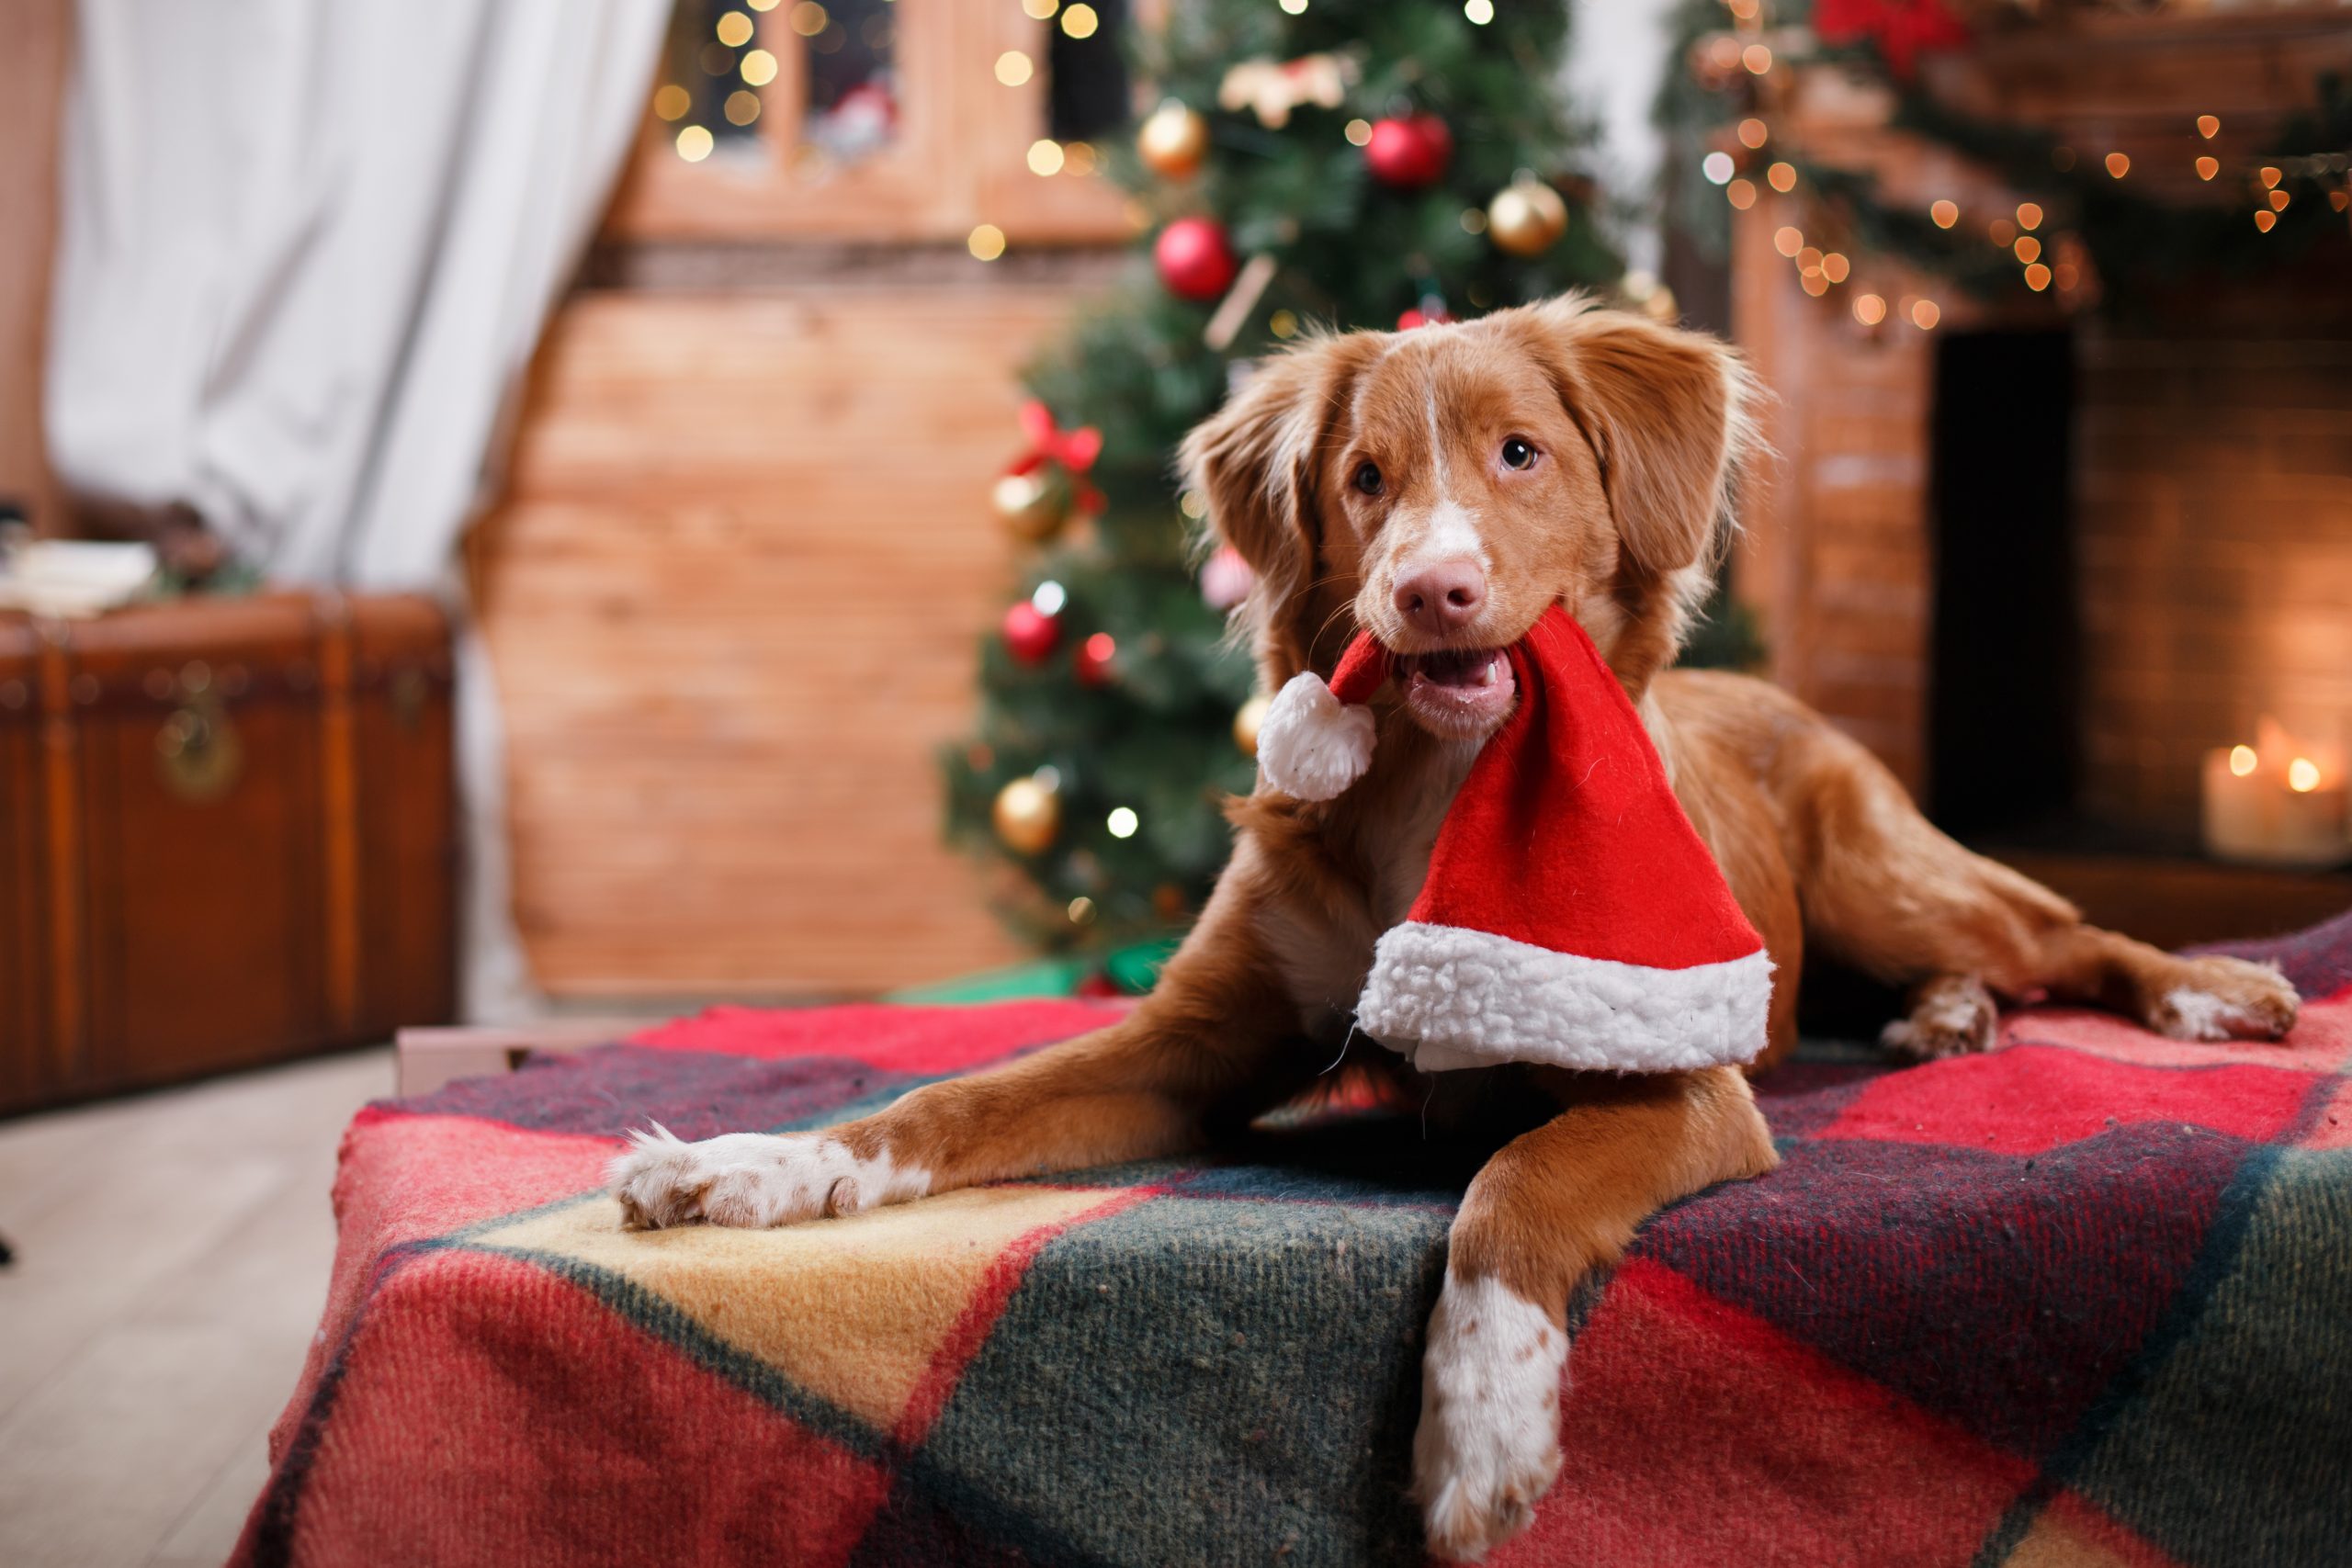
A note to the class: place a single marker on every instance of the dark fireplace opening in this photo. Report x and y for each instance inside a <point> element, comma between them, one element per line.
<point>2004,750</point>
<point>2140,551</point>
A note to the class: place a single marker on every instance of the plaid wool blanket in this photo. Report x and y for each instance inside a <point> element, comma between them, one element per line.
<point>2085,1299</point>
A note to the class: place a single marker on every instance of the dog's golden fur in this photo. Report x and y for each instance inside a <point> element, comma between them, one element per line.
<point>1640,431</point>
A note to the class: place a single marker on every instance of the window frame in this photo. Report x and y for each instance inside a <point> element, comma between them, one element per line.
<point>959,158</point>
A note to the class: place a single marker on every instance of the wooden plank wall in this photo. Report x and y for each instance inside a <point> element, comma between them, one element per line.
<point>732,600</point>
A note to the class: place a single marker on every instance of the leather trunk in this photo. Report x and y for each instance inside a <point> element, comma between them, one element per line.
<point>228,836</point>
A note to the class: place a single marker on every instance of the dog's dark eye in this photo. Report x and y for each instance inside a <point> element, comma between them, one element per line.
<point>1518,453</point>
<point>1368,477</point>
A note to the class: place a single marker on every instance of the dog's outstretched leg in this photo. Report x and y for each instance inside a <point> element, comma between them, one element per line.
<point>1199,1050</point>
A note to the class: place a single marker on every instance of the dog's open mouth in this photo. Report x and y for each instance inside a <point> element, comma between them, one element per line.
<point>1458,692</point>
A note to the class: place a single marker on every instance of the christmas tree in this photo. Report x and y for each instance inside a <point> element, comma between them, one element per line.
<point>1376,163</point>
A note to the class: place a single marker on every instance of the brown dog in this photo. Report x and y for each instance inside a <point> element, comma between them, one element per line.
<point>1443,488</point>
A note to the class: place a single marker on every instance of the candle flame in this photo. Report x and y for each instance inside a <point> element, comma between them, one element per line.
<point>2302,775</point>
<point>2242,760</point>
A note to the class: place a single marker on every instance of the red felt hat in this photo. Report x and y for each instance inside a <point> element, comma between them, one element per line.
<point>1571,915</point>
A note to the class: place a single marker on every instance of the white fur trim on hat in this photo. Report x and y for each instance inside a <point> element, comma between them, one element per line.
<point>1310,744</point>
<point>1448,997</point>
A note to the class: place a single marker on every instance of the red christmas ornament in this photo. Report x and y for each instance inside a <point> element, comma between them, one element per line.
<point>1409,152</point>
<point>1903,29</point>
<point>1416,318</point>
<point>1091,662</point>
<point>1194,258</point>
<point>1030,634</point>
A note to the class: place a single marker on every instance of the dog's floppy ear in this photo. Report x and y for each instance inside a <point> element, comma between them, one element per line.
<point>1253,463</point>
<point>1668,412</point>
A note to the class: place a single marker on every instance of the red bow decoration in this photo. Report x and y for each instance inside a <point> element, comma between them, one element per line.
<point>1075,450</point>
<point>1903,29</point>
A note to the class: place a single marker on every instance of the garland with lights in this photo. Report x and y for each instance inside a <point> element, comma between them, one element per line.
<point>2082,233</point>
<point>1388,164</point>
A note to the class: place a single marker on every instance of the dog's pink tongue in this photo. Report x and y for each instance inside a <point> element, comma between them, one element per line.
<point>1472,691</point>
<point>1467,671</point>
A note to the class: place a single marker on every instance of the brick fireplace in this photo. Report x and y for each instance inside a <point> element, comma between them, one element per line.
<point>2042,563</point>
<point>2213,532</point>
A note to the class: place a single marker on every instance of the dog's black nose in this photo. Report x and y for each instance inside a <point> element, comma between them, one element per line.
<point>1441,598</point>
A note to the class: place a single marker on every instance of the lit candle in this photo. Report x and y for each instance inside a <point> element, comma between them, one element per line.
<point>2279,802</point>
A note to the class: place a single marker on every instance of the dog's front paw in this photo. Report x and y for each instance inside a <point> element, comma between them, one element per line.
<point>1488,1444</point>
<point>2226,998</point>
<point>1952,1015</point>
<point>751,1179</point>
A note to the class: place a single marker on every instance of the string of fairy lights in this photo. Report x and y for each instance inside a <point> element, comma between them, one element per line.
<point>1753,48</point>
<point>1749,158</point>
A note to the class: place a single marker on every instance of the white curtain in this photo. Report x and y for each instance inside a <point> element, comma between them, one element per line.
<point>306,249</point>
<point>1618,53</point>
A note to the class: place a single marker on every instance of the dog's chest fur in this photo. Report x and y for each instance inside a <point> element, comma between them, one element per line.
<point>1384,835</point>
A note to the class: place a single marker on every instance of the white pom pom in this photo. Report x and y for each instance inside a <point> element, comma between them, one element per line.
<point>1310,744</point>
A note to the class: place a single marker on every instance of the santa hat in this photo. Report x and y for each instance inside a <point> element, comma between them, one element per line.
<point>1571,915</point>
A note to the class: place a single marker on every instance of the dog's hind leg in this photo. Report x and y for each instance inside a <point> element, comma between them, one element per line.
<point>2210,997</point>
<point>1884,891</point>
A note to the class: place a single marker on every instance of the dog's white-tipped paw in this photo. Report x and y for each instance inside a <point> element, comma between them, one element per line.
<point>2227,999</point>
<point>1955,1016</point>
<point>1488,1443</point>
<point>751,1179</point>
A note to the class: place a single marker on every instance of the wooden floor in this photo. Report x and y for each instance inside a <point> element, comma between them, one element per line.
<point>171,1256</point>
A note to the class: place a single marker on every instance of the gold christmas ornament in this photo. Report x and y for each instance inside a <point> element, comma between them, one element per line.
<point>1641,291</point>
<point>1246,722</point>
<point>1028,816</point>
<point>1034,505</point>
<point>1172,141</point>
<point>1527,218</point>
